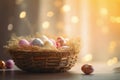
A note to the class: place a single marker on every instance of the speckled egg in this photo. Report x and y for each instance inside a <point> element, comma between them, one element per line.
<point>2,64</point>
<point>87,69</point>
<point>37,42</point>
<point>9,64</point>
<point>24,42</point>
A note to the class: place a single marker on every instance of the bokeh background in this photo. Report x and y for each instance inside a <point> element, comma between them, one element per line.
<point>96,22</point>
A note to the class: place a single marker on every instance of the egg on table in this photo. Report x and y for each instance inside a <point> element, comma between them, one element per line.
<point>23,42</point>
<point>87,69</point>
<point>37,42</point>
<point>2,64</point>
<point>9,64</point>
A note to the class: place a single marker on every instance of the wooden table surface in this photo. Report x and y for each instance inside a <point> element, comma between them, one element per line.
<point>102,72</point>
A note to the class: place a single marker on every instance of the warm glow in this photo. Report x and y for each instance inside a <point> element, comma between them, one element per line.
<point>113,19</point>
<point>66,8</point>
<point>112,46</point>
<point>103,11</point>
<point>84,27</point>
<point>10,27</point>
<point>118,19</point>
<point>99,22</point>
<point>57,3</point>
<point>87,58</point>
<point>45,25</point>
<point>105,30</point>
<point>112,61</point>
<point>22,14</point>
<point>95,22</point>
<point>74,19</point>
<point>50,14</point>
<point>18,2</point>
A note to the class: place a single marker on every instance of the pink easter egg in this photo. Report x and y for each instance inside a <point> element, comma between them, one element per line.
<point>9,64</point>
<point>60,41</point>
<point>23,42</point>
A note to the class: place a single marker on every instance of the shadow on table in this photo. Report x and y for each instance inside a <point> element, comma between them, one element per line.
<point>21,75</point>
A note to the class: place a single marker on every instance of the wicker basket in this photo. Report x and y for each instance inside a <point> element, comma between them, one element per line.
<point>47,61</point>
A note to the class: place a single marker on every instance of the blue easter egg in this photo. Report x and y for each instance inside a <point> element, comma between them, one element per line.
<point>37,42</point>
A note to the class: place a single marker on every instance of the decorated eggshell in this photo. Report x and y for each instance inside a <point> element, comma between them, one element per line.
<point>9,64</point>
<point>87,69</point>
<point>60,41</point>
<point>37,42</point>
<point>2,64</point>
<point>24,42</point>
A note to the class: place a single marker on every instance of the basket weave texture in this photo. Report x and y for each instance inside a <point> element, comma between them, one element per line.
<point>45,61</point>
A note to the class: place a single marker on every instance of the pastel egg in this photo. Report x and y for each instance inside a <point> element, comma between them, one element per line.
<point>48,43</point>
<point>9,64</point>
<point>24,42</point>
<point>60,41</point>
<point>44,38</point>
<point>37,42</point>
<point>53,41</point>
<point>2,64</point>
<point>58,44</point>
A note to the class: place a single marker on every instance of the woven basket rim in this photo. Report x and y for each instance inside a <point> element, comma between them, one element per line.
<point>49,51</point>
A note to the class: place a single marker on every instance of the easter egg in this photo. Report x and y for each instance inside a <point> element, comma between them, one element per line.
<point>9,64</point>
<point>87,69</point>
<point>58,45</point>
<point>37,42</point>
<point>60,41</point>
<point>23,42</point>
<point>44,38</point>
<point>2,64</point>
<point>48,43</point>
<point>53,41</point>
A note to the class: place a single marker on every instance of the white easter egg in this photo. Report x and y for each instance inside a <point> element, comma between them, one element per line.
<point>44,38</point>
<point>48,43</point>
